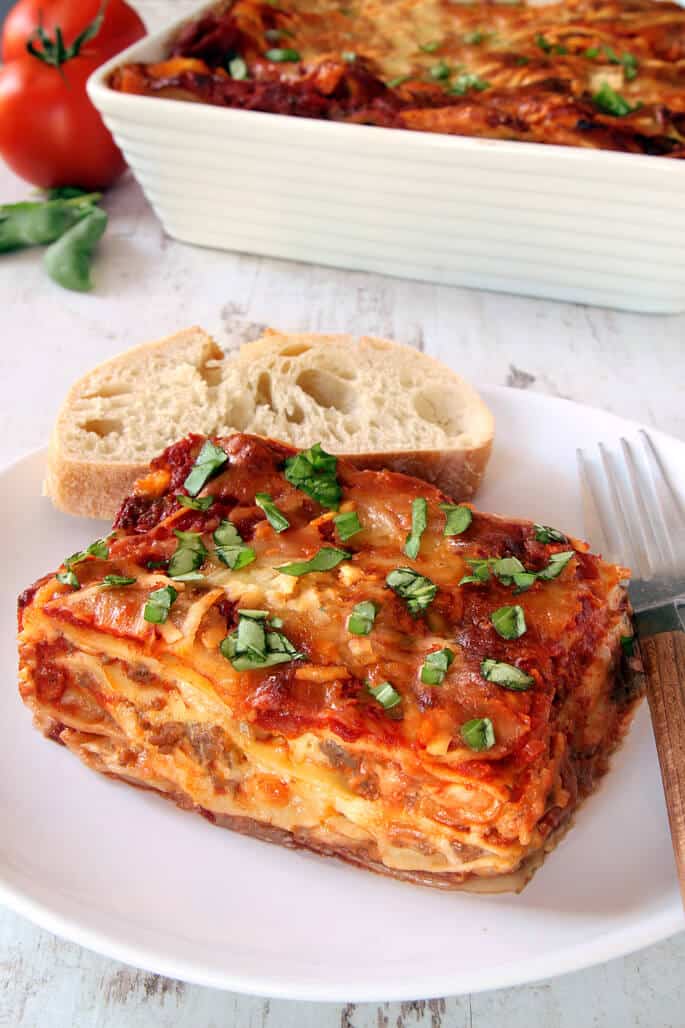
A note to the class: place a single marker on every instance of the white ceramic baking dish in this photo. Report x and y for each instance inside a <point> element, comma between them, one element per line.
<point>585,225</point>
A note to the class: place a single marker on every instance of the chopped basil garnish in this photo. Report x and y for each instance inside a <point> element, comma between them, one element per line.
<point>281,56</point>
<point>430,48</point>
<point>189,576</point>
<point>254,644</point>
<point>506,675</point>
<point>545,534</point>
<point>159,604</point>
<point>480,571</point>
<point>506,569</point>
<point>610,102</point>
<point>417,591</point>
<point>592,52</point>
<point>522,60</point>
<point>314,472</point>
<point>436,665</point>
<point>550,48</point>
<point>273,35</point>
<point>68,578</point>
<point>399,81</point>
<point>627,643</point>
<point>208,463</point>
<point>347,525</point>
<point>349,56</point>
<point>326,559</point>
<point>230,548</point>
<point>360,621</point>
<point>439,71</point>
<point>188,556</point>
<point>466,81</point>
<point>276,519</point>
<point>237,68</point>
<point>478,734</point>
<point>385,695</point>
<point>509,622</point>
<point>115,581</point>
<point>98,549</point>
<point>557,563</point>
<point>419,521</point>
<point>457,518</point>
<point>628,61</point>
<point>195,503</point>
<point>476,37</point>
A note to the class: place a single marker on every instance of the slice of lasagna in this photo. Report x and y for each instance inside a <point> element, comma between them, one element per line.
<point>336,659</point>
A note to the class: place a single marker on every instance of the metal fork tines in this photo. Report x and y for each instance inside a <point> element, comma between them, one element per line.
<point>635,517</point>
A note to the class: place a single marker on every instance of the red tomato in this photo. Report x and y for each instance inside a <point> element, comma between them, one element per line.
<point>50,133</point>
<point>121,25</point>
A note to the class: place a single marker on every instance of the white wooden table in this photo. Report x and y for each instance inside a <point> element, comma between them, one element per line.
<point>148,285</point>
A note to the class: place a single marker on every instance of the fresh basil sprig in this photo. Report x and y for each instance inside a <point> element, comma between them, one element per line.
<point>68,259</point>
<point>41,222</point>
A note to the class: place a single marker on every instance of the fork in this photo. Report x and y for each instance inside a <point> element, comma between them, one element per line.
<point>635,517</point>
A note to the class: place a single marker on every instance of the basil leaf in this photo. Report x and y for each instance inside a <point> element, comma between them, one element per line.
<point>481,571</point>
<point>505,569</point>
<point>280,55</point>
<point>627,60</point>
<point>436,666</point>
<point>159,604</point>
<point>545,534</point>
<point>476,37</point>
<point>68,578</point>
<point>195,503</point>
<point>478,734</point>
<point>67,260</point>
<point>98,549</point>
<point>208,463</point>
<point>466,81</point>
<point>627,643</point>
<point>276,519</point>
<point>314,472</point>
<point>42,222</point>
<point>189,576</point>
<point>253,645</point>
<point>349,56</point>
<point>439,71</point>
<point>326,559</point>
<point>399,81</point>
<point>592,52</point>
<point>189,554</point>
<point>509,622</point>
<point>610,102</point>
<point>419,521</point>
<point>524,581</point>
<point>458,518</point>
<point>115,581</point>
<point>557,563</point>
<point>543,43</point>
<point>417,591</point>
<point>386,695</point>
<point>347,525</point>
<point>360,621</point>
<point>237,68</point>
<point>506,675</point>
<point>430,48</point>
<point>230,548</point>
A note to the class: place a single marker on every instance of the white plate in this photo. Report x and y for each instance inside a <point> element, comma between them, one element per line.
<point>130,875</point>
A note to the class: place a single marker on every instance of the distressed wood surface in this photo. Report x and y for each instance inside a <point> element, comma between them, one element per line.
<point>149,285</point>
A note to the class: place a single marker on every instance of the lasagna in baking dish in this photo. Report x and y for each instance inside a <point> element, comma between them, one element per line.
<point>591,73</point>
<point>336,659</point>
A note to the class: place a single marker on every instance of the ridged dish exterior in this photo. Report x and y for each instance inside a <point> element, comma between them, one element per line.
<point>582,225</point>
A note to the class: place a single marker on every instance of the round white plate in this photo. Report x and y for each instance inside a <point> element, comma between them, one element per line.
<point>128,874</point>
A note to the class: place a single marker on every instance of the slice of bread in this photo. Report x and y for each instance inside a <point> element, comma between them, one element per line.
<point>377,402</point>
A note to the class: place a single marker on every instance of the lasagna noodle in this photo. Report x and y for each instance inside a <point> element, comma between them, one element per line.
<point>300,753</point>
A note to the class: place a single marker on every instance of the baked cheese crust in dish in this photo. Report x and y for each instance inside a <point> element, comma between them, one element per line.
<point>337,659</point>
<point>591,73</point>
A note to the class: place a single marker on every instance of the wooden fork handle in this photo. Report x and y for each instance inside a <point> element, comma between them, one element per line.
<point>663,656</point>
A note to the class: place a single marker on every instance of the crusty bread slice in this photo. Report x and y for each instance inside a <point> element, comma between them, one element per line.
<point>379,403</point>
